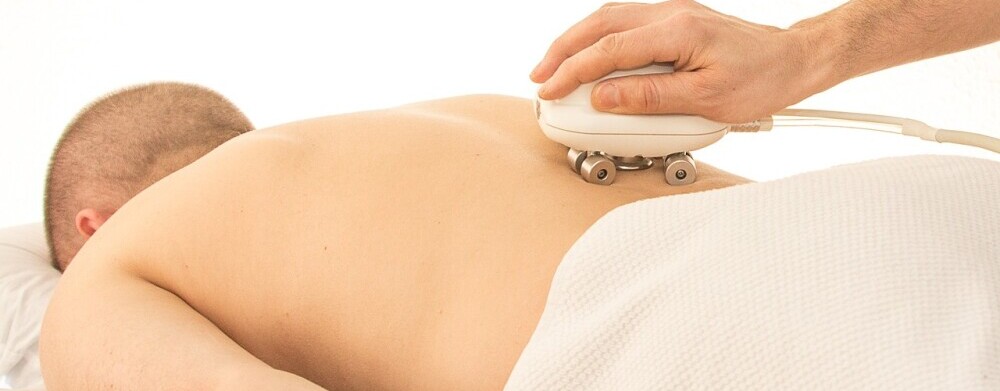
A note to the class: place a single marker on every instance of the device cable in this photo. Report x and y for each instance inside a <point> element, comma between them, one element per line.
<point>882,123</point>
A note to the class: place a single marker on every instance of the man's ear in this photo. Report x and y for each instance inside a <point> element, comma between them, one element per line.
<point>89,220</point>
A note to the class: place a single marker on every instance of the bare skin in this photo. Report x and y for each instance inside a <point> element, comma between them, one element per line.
<point>735,71</point>
<point>409,248</point>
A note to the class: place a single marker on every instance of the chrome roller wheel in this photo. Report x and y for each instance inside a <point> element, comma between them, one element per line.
<point>598,169</point>
<point>575,159</point>
<point>679,169</point>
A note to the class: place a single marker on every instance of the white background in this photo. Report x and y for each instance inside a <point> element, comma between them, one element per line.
<point>285,62</point>
<point>302,59</point>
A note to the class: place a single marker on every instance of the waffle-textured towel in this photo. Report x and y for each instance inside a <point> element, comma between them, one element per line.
<point>878,275</point>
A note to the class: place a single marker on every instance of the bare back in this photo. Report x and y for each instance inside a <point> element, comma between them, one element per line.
<point>409,248</point>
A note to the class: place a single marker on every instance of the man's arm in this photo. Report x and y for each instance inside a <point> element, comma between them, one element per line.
<point>109,329</point>
<point>864,36</point>
<point>734,71</point>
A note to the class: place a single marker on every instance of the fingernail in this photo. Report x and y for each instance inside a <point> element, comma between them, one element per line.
<point>607,96</point>
<point>543,91</point>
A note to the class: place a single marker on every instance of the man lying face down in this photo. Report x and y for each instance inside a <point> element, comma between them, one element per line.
<point>409,248</point>
<point>121,144</point>
<point>114,148</point>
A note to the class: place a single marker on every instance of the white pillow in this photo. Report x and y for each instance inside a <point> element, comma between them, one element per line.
<point>27,280</point>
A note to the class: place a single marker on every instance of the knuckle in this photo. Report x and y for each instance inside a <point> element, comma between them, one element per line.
<point>611,16</point>
<point>611,45</point>
<point>612,6</point>
<point>611,12</point>
<point>693,24</point>
<point>650,96</point>
<point>605,13</point>
<point>574,68</point>
<point>685,19</point>
<point>618,7</point>
<point>690,4</point>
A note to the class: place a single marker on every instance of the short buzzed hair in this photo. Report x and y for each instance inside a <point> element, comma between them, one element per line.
<point>125,142</point>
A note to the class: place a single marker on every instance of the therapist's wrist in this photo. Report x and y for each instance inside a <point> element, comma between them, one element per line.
<point>819,46</point>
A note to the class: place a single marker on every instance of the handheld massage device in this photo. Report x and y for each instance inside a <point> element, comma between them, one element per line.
<point>601,144</point>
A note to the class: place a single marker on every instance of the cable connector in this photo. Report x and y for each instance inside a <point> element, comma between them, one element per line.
<point>753,126</point>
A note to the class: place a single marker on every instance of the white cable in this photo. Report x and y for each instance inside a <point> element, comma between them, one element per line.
<point>905,126</point>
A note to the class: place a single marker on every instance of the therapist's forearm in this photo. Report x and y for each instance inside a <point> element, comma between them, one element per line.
<point>864,36</point>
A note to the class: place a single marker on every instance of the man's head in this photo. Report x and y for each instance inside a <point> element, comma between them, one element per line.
<point>123,143</point>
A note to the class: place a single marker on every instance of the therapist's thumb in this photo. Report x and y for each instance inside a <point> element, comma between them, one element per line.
<point>652,94</point>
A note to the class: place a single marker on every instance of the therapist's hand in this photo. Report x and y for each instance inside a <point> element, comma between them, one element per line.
<point>726,69</point>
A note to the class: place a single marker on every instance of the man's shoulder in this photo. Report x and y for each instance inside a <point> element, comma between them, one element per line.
<point>193,205</point>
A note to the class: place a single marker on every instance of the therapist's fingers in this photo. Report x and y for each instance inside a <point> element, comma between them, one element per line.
<point>610,18</point>
<point>671,93</point>
<point>624,50</point>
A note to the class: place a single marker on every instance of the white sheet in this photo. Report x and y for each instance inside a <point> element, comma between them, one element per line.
<point>26,284</point>
<point>878,275</point>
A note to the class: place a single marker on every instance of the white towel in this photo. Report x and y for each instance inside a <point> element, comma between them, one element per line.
<point>877,275</point>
